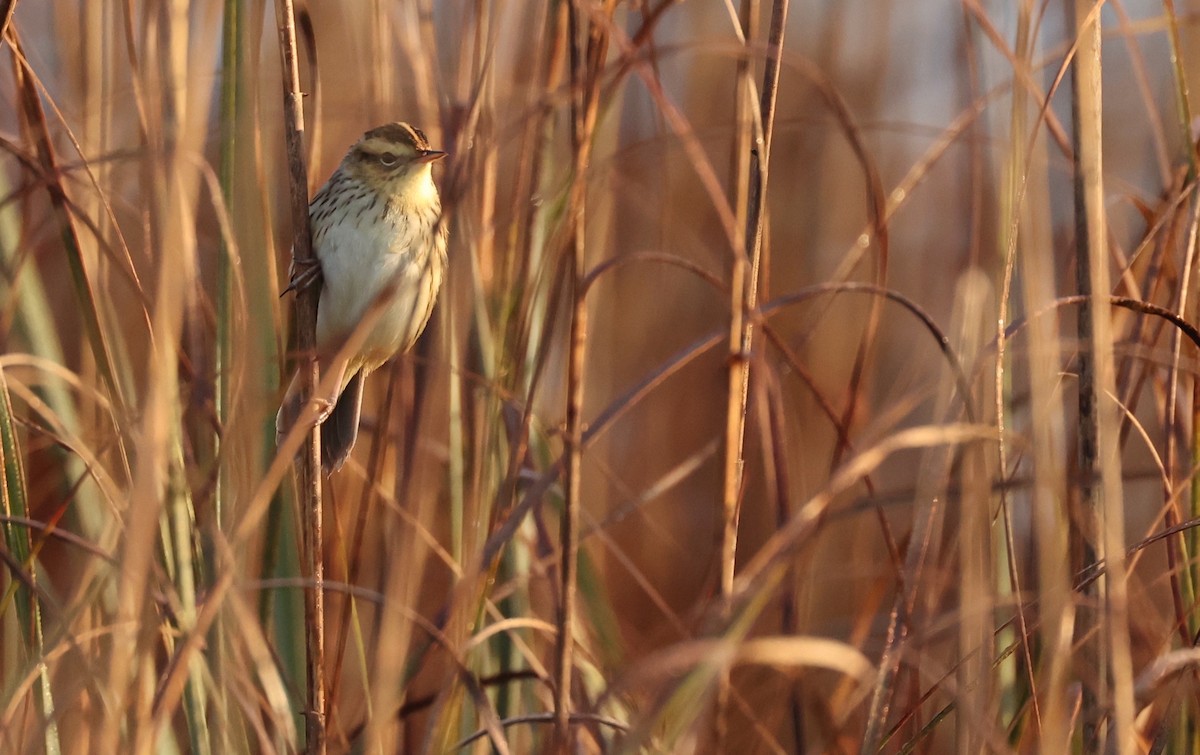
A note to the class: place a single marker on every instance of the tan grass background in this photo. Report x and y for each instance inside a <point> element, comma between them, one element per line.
<point>915,570</point>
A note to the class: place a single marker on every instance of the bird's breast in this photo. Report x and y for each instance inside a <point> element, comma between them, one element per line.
<point>372,257</point>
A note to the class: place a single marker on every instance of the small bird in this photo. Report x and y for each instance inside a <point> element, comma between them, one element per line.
<point>380,244</point>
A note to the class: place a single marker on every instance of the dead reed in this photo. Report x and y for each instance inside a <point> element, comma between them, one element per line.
<point>810,377</point>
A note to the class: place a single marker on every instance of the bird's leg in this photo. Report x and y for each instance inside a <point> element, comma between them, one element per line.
<point>303,273</point>
<point>332,380</point>
<point>324,407</point>
<point>332,375</point>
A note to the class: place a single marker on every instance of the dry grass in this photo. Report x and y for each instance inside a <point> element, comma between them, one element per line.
<point>901,463</point>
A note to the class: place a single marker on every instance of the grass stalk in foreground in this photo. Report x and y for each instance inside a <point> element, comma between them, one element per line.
<point>584,102</point>
<point>1101,421</point>
<point>308,471</point>
<point>17,540</point>
<point>744,285</point>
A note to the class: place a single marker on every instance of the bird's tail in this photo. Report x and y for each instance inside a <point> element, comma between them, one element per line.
<point>339,431</point>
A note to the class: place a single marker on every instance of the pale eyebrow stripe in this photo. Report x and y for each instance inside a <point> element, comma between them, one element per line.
<point>379,146</point>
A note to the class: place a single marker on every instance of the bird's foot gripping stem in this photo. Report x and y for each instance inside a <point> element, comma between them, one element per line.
<point>303,273</point>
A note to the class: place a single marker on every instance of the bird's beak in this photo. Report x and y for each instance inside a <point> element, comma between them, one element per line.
<point>430,156</point>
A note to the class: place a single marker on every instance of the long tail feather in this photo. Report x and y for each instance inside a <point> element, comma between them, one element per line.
<point>340,429</point>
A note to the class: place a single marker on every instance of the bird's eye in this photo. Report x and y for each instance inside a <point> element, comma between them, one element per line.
<point>389,160</point>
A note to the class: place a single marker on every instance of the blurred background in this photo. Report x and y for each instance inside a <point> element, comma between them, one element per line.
<point>926,558</point>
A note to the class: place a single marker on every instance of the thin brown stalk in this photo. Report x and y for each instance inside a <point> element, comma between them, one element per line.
<point>351,555</point>
<point>1087,390</point>
<point>309,464</point>
<point>569,528</point>
<point>583,120</point>
<point>744,141</point>
<point>6,13</point>
<point>1099,423</point>
<point>1028,224</point>
<point>744,283</point>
